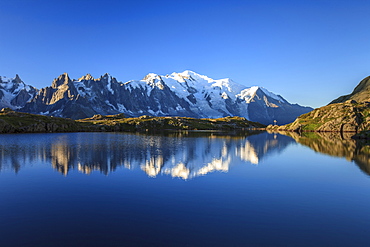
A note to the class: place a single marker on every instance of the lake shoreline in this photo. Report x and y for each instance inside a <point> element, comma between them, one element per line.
<point>362,135</point>
<point>18,122</point>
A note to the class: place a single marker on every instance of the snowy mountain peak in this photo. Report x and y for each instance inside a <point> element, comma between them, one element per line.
<point>14,93</point>
<point>195,76</point>
<point>189,73</point>
<point>151,76</point>
<point>4,79</point>
<point>249,93</point>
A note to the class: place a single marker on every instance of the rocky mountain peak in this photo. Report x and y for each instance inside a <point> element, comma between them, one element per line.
<point>17,79</point>
<point>87,77</point>
<point>105,78</point>
<point>61,80</point>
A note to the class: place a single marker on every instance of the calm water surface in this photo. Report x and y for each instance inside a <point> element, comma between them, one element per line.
<point>183,189</point>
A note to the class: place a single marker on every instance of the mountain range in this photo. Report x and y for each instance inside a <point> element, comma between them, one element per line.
<point>185,94</point>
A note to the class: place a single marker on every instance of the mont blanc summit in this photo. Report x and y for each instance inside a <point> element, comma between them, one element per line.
<point>177,94</point>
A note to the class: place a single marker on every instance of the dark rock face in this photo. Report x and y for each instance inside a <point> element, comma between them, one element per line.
<point>21,98</point>
<point>61,99</point>
<point>184,94</point>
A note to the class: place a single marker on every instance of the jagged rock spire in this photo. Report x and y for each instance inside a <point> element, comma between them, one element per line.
<point>106,77</point>
<point>62,79</point>
<point>17,79</point>
<point>87,77</point>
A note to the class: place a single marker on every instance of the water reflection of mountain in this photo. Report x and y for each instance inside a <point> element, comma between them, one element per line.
<point>337,144</point>
<point>183,155</point>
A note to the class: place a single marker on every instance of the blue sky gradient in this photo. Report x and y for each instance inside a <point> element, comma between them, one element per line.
<point>310,51</point>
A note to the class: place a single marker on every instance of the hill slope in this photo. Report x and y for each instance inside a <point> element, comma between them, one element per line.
<point>340,117</point>
<point>361,93</point>
<point>348,113</point>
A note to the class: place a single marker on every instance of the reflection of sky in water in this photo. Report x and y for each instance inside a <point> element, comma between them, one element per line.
<point>174,155</point>
<point>297,195</point>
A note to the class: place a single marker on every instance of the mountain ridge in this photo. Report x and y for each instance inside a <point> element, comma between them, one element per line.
<point>185,94</point>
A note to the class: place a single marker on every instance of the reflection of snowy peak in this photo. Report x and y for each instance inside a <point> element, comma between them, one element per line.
<point>178,94</point>
<point>14,93</point>
<point>199,157</point>
<point>182,155</point>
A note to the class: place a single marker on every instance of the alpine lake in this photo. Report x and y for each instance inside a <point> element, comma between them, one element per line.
<point>184,189</point>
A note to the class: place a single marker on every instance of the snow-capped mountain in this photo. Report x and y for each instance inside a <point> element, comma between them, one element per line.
<point>178,94</point>
<point>14,93</point>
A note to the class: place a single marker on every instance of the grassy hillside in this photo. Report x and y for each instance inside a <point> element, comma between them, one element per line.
<point>120,123</point>
<point>349,116</point>
<point>17,122</point>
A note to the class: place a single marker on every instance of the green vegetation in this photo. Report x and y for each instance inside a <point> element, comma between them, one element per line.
<point>349,116</point>
<point>17,122</point>
<point>144,123</point>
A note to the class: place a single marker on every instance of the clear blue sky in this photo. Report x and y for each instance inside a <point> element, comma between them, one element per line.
<point>309,51</point>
